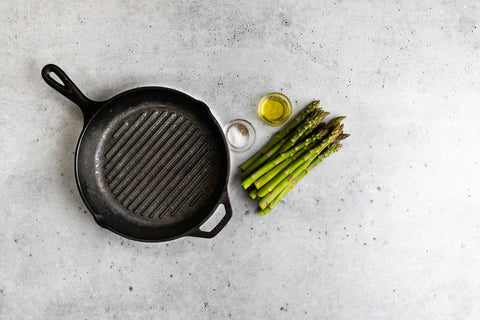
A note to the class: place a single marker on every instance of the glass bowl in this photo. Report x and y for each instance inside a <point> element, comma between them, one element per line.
<point>275,109</point>
<point>240,135</point>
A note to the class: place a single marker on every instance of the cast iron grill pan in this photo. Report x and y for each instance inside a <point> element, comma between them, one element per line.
<point>151,163</point>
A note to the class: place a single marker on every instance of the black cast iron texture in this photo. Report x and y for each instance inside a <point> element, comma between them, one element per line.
<point>151,163</point>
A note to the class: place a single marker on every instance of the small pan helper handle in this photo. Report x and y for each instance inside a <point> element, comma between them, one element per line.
<point>69,90</point>
<point>212,233</point>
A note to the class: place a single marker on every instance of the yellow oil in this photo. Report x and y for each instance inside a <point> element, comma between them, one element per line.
<point>274,110</point>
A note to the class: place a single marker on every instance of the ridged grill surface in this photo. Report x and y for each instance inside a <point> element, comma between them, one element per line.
<point>157,164</point>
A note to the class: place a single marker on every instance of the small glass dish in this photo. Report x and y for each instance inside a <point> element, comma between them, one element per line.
<point>240,135</point>
<point>275,109</point>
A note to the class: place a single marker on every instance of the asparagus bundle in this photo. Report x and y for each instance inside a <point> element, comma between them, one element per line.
<point>292,153</point>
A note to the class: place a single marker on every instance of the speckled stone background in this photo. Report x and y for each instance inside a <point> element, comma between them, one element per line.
<point>388,228</point>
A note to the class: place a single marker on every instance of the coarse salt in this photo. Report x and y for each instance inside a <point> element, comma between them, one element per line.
<point>238,135</point>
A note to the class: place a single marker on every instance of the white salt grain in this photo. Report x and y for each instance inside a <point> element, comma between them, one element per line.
<point>238,135</point>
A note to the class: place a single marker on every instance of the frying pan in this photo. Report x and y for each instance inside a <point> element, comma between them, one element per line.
<point>151,163</point>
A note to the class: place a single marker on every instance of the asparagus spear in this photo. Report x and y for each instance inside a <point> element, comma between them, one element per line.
<point>303,132</point>
<point>300,150</point>
<point>313,130</point>
<point>335,121</point>
<point>295,122</point>
<point>321,131</point>
<point>262,159</point>
<point>253,193</point>
<point>313,164</point>
<point>277,199</point>
<point>247,182</point>
<point>287,189</point>
<point>342,136</point>
<point>334,147</point>
<point>263,212</point>
<point>289,141</point>
<point>336,131</point>
<point>332,123</point>
<point>296,176</point>
<point>268,199</point>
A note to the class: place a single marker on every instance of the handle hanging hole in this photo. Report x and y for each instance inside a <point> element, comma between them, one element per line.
<point>214,219</point>
<point>56,78</point>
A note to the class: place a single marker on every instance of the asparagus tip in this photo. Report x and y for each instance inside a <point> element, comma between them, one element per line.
<point>343,136</point>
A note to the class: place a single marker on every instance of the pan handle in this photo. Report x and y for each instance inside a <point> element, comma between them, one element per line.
<point>212,233</point>
<point>69,90</point>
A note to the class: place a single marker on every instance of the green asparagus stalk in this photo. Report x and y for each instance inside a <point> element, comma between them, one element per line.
<point>247,182</point>
<point>303,132</point>
<point>297,175</point>
<point>321,131</point>
<point>332,149</point>
<point>287,189</point>
<point>270,197</point>
<point>319,126</point>
<point>335,121</point>
<point>289,141</point>
<point>263,212</point>
<point>332,123</point>
<point>277,199</point>
<point>263,158</point>
<point>260,182</point>
<point>294,123</point>
<point>253,194</point>
<point>342,136</point>
<point>300,150</point>
<point>295,164</point>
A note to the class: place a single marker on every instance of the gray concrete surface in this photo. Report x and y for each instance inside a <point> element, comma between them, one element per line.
<point>388,228</point>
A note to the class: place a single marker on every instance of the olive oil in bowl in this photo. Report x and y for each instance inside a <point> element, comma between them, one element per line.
<point>275,109</point>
